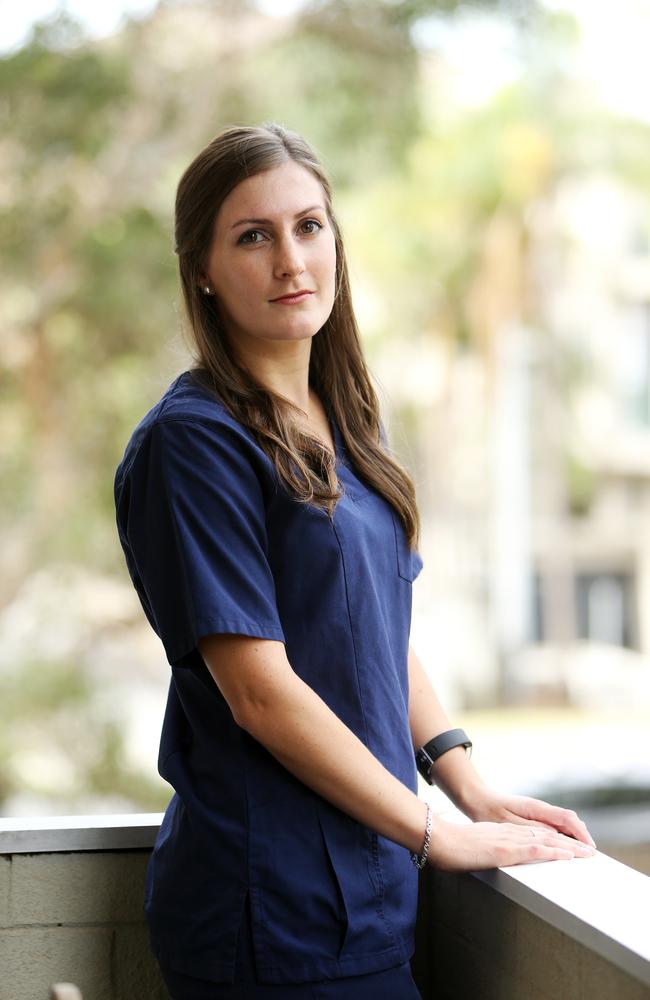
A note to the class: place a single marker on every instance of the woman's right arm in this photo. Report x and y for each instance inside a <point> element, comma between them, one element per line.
<point>271,702</point>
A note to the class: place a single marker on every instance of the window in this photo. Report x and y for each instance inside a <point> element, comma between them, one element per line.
<point>602,609</point>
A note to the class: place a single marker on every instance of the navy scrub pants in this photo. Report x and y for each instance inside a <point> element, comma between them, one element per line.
<point>390,984</point>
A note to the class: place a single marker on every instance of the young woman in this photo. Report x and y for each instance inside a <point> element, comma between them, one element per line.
<point>271,537</point>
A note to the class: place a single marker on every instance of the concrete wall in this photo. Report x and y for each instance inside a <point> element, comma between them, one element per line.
<point>76,917</point>
<point>475,944</point>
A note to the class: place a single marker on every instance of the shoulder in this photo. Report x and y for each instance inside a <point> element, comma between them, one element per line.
<point>189,422</point>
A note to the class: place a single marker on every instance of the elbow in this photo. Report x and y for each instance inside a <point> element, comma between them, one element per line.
<point>268,714</point>
<point>251,712</point>
<point>253,676</point>
<point>243,716</point>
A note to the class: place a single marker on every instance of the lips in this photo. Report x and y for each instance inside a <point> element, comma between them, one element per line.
<point>298,296</point>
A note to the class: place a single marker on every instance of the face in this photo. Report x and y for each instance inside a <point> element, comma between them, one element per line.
<point>272,237</point>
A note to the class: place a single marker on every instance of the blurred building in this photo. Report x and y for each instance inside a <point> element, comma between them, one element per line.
<point>534,462</point>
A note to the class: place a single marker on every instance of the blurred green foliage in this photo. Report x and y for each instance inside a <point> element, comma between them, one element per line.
<point>58,741</point>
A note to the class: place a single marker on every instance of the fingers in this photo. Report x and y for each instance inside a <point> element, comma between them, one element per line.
<point>573,825</point>
<point>565,820</point>
<point>497,845</point>
<point>542,826</point>
<point>569,822</point>
<point>550,845</point>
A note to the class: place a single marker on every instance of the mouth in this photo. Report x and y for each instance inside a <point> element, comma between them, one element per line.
<point>293,297</point>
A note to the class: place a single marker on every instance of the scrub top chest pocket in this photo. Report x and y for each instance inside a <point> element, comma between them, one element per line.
<point>409,562</point>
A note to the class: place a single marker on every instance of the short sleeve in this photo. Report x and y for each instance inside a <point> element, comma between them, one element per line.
<point>192,523</point>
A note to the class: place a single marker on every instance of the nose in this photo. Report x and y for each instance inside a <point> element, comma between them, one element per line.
<point>288,258</point>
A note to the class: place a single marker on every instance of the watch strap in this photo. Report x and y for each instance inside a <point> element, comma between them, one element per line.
<point>429,753</point>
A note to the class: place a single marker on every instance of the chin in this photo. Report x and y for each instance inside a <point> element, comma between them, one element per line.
<point>301,328</point>
<point>302,334</point>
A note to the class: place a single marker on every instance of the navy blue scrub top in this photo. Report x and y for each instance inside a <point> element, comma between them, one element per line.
<point>214,543</point>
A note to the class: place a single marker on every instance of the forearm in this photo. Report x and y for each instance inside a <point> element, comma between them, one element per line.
<point>302,732</point>
<point>453,772</point>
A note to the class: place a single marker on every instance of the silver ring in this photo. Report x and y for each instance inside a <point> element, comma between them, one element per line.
<point>532,831</point>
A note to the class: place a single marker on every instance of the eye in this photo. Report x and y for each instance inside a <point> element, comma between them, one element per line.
<point>312,222</point>
<point>250,232</point>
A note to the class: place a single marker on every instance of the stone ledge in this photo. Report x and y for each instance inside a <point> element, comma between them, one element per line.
<point>51,834</point>
<point>584,907</point>
<point>597,902</point>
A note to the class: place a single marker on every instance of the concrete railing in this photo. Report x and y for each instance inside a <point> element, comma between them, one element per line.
<point>71,891</point>
<point>560,930</point>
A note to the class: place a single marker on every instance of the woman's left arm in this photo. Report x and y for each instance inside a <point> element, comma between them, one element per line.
<point>455,774</point>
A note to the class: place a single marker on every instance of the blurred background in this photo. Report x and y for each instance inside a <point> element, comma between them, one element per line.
<point>491,164</point>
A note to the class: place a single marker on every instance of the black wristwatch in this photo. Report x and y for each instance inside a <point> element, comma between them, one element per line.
<point>429,753</point>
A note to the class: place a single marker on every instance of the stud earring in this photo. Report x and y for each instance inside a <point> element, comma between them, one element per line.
<point>207,289</point>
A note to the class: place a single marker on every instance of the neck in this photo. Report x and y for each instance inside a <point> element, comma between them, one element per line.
<point>283,368</point>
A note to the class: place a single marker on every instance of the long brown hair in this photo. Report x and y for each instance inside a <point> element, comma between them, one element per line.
<point>337,370</point>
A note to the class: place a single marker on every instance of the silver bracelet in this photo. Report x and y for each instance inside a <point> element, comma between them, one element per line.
<point>421,860</point>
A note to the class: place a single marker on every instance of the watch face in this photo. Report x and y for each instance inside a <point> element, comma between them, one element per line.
<point>423,762</point>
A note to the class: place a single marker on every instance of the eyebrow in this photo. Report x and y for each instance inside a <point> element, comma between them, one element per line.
<point>269,222</point>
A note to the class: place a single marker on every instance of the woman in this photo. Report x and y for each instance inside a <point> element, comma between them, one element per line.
<point>271,538</point>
